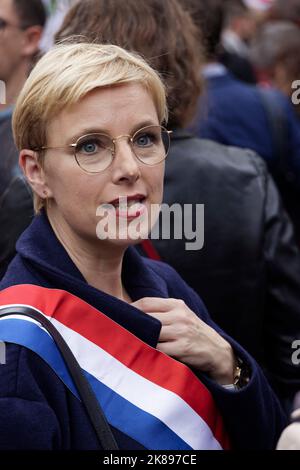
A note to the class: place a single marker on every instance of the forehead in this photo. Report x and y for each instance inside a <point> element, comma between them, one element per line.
<point>113,110</point>
<point>118,98</point>
<point>7,10</point>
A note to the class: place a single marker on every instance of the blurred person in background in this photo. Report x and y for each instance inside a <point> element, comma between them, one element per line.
<point>248,271</point>
<point>236,113</point>
<point>285,10</point>
<point>260,8</point>
<point>239,26</point>
<point>21,26</point>
<point>56,11</point>
<point>276,58</point>
<point>290,437</point>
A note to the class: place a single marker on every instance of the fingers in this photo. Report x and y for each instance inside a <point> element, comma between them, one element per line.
<point>185,337</point>
<point>170,348</point>
<point>164,318</point>
<point>156,304</point>
<point>169,333</point>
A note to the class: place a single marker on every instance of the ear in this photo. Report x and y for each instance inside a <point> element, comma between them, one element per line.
<point>32,37</point>
<point>34,173</point>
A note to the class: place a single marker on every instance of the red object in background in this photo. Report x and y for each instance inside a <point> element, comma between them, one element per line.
<point>150,250</point>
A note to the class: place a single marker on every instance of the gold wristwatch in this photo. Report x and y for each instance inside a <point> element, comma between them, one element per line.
<point>241,376</point>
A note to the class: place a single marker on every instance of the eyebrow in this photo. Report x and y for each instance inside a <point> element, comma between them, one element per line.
<point>94,130</point>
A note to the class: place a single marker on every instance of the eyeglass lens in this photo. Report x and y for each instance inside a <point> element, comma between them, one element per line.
<point>95,152</point>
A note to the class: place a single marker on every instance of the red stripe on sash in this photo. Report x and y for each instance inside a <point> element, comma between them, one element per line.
<point>146,361</point>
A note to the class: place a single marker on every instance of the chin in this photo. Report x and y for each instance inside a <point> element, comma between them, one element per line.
<point>123,232</point>
<point>120,244</point>
<point>127,239</point>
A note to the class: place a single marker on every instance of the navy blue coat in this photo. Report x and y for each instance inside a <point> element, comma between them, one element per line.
<point>36,409</point>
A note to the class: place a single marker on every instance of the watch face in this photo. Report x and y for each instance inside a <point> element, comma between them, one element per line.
<point>244,374</point>
<point>237,375</point>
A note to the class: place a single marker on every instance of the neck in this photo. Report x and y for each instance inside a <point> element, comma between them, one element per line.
<point>14,85</point>
<point>100,264</point>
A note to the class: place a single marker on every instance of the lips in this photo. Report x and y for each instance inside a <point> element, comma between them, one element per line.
<point>128,201</point>
<point>129,207</point>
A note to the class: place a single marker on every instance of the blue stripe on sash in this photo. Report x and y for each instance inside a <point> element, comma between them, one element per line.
<point>31,336</point>
<point>120,413</point>
<point>135,422</point>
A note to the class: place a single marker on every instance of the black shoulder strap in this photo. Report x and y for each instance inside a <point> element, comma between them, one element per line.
<point>279,131</point>
<point>90,402</point>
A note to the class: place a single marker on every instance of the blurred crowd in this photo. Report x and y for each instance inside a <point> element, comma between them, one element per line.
<point>232,73</point>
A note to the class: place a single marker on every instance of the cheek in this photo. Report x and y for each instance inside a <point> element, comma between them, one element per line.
<point>155,180</point>
<point>72,188</point>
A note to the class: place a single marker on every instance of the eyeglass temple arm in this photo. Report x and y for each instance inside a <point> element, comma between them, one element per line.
<point>53,148</point>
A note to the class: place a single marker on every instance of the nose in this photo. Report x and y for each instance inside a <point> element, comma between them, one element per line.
<point>125,165</point>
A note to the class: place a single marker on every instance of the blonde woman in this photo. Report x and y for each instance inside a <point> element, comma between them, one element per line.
<point>89,125</point>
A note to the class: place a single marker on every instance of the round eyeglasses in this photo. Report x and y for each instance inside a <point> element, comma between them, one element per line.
<point>95,152</point>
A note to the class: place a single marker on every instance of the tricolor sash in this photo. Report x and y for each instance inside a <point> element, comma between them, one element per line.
<point>147,395</point>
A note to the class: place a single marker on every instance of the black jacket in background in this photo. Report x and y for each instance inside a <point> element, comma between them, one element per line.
<point>248,272</point>
<point>16,209</point>
<point>239,66</point>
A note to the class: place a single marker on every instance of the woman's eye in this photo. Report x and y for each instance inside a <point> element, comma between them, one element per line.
<point>90,147</point>
<point>144,140</point>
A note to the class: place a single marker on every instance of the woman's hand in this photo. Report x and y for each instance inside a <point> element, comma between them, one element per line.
<point>187,338</point>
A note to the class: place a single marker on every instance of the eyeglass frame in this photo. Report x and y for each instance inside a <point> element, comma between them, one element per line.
<point>113,151</point>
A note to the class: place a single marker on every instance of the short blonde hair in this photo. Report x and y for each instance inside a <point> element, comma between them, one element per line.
<point>64,76</point>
